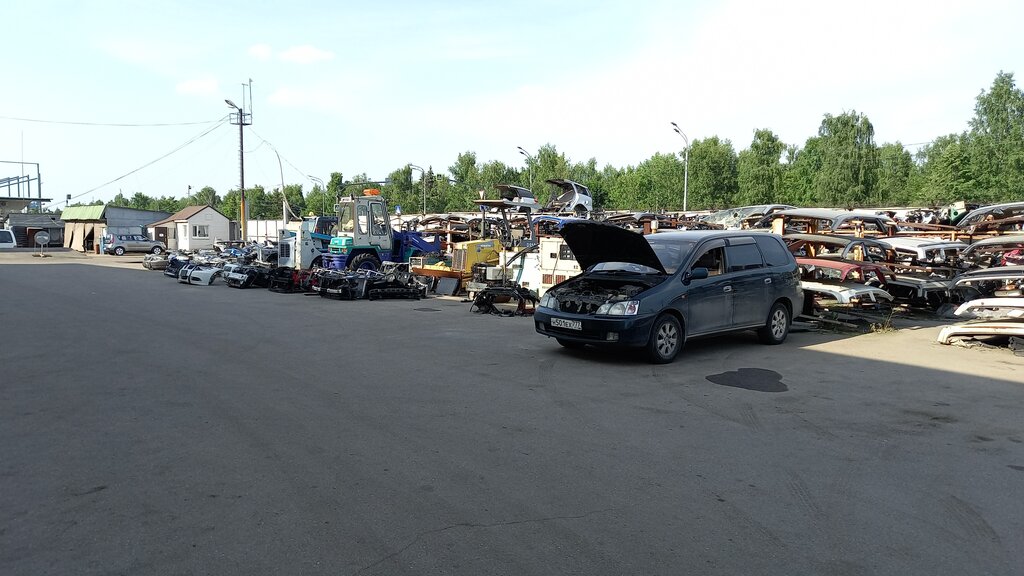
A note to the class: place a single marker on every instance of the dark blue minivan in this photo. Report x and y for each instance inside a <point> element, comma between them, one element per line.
<point>657,291</point>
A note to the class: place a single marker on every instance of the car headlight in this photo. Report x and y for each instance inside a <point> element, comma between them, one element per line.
<point>548,301</point>
<point>624,308</point>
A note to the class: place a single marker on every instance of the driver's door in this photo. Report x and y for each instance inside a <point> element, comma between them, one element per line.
<point>709,300</point>
<point>380,226</point>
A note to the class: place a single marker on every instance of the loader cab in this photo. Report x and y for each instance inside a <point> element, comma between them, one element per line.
<point>365,220</point>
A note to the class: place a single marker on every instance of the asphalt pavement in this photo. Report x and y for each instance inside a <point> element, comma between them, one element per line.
<point>151,427</point>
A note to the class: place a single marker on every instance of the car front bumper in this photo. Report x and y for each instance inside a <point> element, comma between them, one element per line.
<point>626,331</point>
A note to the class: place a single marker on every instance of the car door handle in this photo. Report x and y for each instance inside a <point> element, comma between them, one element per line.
<point>727,289</point>
<point>767,280</point>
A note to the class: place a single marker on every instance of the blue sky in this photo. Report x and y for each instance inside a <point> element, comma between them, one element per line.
<point>366,87</point>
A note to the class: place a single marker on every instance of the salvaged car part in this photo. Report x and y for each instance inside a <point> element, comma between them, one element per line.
<point>823,220</point>
<point>248,277</point>
<point>290,281</point>
<point>155,261</point>
<point>200,274</point>
<point>175,263</point>
<point>490,300</point>
<point>913,251</point>
<point>569,198</point>
<point>1006,327</point>
<point>988,217</point>
<point>994,252</point>
<point>992,308</point>
<point>1000,282</point>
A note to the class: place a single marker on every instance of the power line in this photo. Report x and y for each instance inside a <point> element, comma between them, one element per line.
<point>192,140</point>
<point>286,161</point>
<point>120,125</point>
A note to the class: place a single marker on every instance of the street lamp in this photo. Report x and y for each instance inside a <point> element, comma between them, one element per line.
<point>529,162</point>
<point>423,180</point>
<point>686,161</point>
<point>242,119</point>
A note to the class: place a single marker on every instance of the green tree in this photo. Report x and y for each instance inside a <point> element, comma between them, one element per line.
<point>230,205</point>
<point>713,174</point>
<point>205,196</point>
<point>798,173</point>
<point>659,183</point>
<point>895,168</point>
<point>996,142</point>
<point>140,201</point>
<point>319,202</point>
<point>945,172</point>
<point>849,160</point>
<point>759,170</point>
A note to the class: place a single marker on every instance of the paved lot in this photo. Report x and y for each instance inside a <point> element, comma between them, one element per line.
<point>156,428</point>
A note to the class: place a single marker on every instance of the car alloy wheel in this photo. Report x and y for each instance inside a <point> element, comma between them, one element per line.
<point>666,339</point>
<point>776,327</point>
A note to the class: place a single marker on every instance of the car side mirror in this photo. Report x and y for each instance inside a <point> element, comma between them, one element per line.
<point>695,274</point>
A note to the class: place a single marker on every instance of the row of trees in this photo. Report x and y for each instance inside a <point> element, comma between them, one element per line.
<point>840,166</point>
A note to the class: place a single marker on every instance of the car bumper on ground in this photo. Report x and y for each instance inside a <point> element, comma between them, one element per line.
<point>626,331</point>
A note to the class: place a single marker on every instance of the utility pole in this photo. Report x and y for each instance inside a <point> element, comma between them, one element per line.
<point>530,162</point>
<point>243,119</point>
<point>686,161</point>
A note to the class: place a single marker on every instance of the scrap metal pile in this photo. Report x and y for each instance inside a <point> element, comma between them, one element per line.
<point>249,269</point>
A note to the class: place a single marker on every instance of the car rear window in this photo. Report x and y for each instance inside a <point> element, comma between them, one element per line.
<point>775,254</point>
<point>5,236</point>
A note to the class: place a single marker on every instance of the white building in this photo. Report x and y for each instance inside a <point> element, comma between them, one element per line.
<point>192,228</point>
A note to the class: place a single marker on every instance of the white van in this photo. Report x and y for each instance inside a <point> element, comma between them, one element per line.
<point>7,239</point>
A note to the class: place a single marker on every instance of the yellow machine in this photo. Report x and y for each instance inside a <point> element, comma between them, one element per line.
<point>464,256</point>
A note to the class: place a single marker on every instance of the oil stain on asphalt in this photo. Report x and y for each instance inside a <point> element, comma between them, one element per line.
<point>755,379</point>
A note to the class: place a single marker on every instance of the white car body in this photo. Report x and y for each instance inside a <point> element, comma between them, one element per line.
<point>199,274</point>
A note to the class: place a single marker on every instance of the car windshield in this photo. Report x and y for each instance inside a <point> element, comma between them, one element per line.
<point>672,253</point>
<point>623,267</point>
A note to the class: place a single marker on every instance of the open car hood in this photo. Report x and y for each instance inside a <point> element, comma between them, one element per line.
<point>593,243</point>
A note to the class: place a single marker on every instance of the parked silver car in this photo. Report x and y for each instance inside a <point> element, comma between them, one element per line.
<point>118,244</point>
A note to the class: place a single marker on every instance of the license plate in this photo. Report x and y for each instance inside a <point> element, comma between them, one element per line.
<point>568,324</point>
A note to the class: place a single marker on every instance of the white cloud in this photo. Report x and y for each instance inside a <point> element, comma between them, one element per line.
<point>305,54</point>
<point>203,86</point>
<point>260,51</point>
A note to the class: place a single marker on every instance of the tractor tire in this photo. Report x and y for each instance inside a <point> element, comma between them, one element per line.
<point>365,261</point>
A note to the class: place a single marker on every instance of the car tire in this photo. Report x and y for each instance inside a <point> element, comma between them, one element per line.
<point>365,261</point>
<point>776,327</point>
<point>570,344</point>
<point>580,211</point>
<point>156,250</point>
<point>666,340</point>
<point>119,251</point>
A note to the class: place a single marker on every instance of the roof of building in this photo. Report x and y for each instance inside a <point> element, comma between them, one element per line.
<point>94,212</point>
<point>34,220</point>
<point>185,213</point>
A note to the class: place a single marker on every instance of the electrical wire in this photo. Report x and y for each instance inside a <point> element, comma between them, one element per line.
<point>192,140</point>
<point>274,148</point>
<point>119,125</point>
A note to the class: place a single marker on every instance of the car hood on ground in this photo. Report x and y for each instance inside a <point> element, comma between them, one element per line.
<point>593,243</point>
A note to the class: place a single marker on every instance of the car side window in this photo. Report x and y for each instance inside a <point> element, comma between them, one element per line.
<point>713,260</point>
<point>743,257</point>
<point>773,251</point>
